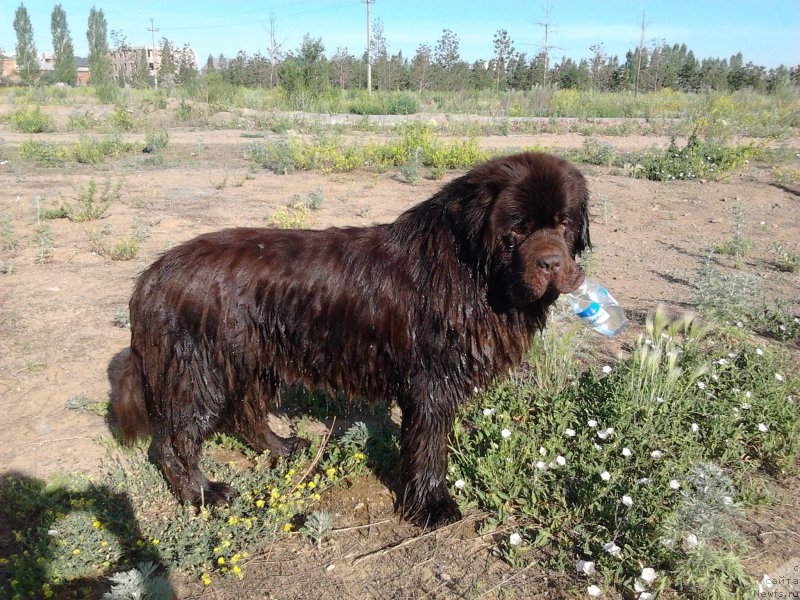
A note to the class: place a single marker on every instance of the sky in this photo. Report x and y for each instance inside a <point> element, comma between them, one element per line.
<point>767,32</point>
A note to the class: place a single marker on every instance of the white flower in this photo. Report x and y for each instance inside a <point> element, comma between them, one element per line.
<point>605,475</point>
<point>561,460</point>
<point>690,541</point>
<point>759,351</point>
<point>747,406</point>
<point>763,428</point>
<point>542,451</point>
<point>505,433</point>
<point>627,501</point>
<point>488,412</point>
<point>52,532</point>
<point>648,575</point>
<point>540,465</point>
<point>667,542</point>
<point>607,369</point>
<point>569,433</point>
<point>727,500</point>
<point>591,423</point>
<point>674,484</point>
<point>648,342</point>
<point>494,446</point>
<point>612,549</point>
<point>748,395</point>
<point>605,433</point>
<point>638,586</point>
<point>660,400</point>
<point>656,454</point>
<point>643,481</point>
<point>645,596</point>
<point>585,566</point>
<point>695,427</point>
<point>765,584</point>
<point>515,539</point>
<point>626,452</point>
<point>593,591</point>
<point>701,385</point>
<point>460,483</point>
<point>722,361</point>
<point>597,447</point>
<point>778,377</point>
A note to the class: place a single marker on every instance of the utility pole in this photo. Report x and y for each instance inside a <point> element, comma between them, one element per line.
<point>153,30</point>
<point>369,49</point>
<point>546,47</point>
<point>639,59</point>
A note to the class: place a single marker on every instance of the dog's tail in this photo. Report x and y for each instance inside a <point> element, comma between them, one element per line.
<point>129,404</point>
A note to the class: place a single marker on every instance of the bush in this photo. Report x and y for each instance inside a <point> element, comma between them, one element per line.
<point>32,121</point>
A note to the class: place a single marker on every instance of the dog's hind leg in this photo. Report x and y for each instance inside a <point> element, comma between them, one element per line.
<point>251,418</point>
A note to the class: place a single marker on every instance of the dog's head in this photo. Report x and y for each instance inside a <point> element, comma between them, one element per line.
<point>536,222</point>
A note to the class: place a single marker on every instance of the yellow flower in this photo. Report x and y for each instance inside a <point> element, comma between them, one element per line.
<point>156,542</point>
<point>76,551</point>
<point>221,560</point>
<point>96,524</point>
<point>311,485</point>
<point>233,520</point>
<point>235,558</point>
<point>217,549</point>
<point>359,456</point>
<point>226,543</point>
<point>259,503</point>
<point>287,527</point>
<point>291,472</point>
<point>331,472</point>
<point>206,579</point>
<point>245,554</point>
<point>237,570</point>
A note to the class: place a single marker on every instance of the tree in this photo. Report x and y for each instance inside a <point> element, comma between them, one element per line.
<point>63,50</point>
<point>422,68</point>
<point>187,67</point>
<point>168,67</point>
<point>503,50</point>
<point>447,57</point>
<point>27,64</point>
<point>99,60</point>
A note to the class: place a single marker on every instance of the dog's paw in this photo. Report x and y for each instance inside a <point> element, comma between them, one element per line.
<point>215,493</point>
<point>435,515</point>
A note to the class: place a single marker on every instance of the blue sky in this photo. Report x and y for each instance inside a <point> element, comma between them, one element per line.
<point>765,31</point>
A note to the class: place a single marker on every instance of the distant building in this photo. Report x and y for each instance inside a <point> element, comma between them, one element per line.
<point>125,61</point>
<point>9,66</point>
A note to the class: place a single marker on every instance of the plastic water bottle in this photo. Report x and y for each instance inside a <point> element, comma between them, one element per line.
<point>593,305</point>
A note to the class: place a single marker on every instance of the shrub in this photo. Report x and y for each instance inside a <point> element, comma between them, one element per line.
<point>697,159</point>
<point>32,121</point>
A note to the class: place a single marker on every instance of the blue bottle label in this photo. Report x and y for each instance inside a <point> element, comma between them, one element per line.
<point>594,314</point>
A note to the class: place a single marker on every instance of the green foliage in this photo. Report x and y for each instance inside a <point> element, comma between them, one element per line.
<point>726,297</point>
<point>63,49</point>
<point>87,150</point>
<point>27,61</point>
<point>91,202</point>
<point>139,583</point>
<point>786,260</point>
<point>102,76</point>
<point>31,120</point>
<point>699,159</point>
<point>644,455</point>
<point>739,244</point>
<point>121,119</point>
<point>156,140</point>
<point>318,526</point>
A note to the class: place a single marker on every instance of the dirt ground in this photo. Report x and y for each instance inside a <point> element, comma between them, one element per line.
<point>58,333</point>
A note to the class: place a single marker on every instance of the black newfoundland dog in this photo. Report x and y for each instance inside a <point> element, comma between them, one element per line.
<point>423,311</point>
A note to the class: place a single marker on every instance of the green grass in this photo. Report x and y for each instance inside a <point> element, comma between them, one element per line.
<point>87,150</point>
<point>575,461</point>
<point>32,120</point>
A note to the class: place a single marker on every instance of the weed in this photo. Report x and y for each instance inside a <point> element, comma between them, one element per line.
<point>776,320</point>
<point>410,171</point>
<point>595,153</point>
<point>125,249</point>
<point>220,185</point>
<point>156,140</point>
<point>318,526</point>
<point>8,238</point>
<point>32,121</point>
<point>7,267</point>
<point>91,203</point>
<point>121,318</point>
<point>723,296</point>
<point>785,260</point>
<point>739,244</point>
<point>43,235</point>
<point>121,119</point>
<point>698,159</point>
<point>618,465</point>
<point>295,216</point>
<point>139,583</point>
<point>43,153</point>
<point>85,122</point>
<point>85,404</point>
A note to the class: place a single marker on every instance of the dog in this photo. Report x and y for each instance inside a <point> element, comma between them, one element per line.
<point>424,311</point>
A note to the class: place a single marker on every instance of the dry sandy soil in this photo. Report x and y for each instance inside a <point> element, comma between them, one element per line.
<point>58,336</point>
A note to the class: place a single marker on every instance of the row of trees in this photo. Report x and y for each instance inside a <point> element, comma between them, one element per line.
<point>440,67</point>
<point>63,49</point>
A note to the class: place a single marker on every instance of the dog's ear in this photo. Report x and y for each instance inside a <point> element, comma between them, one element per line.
<point>583,240</point>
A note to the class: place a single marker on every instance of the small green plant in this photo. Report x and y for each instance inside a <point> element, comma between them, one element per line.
<point>85,122</point>
<point>121,318</point>
<point>43,235</point>
<point>739,244</point>
<point>318,526</point>
<point>140,583</point>
<point>7,267</point>
<point>295,216</point>
<point>786,260</point>
<point>32,121</point>
<point>156,140</point>
<point>725,296</point>
<point>410,171</point>
<point>91,203</point>
<point>776,320</point>
<point>121,118</point>
<point>698,159</point>
<point>86,404</point>
<point>220,185</point>
<point>125,249</point>
<point>8,238</point>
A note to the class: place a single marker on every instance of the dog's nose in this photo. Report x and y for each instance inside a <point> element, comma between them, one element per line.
<point>550,263</point>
